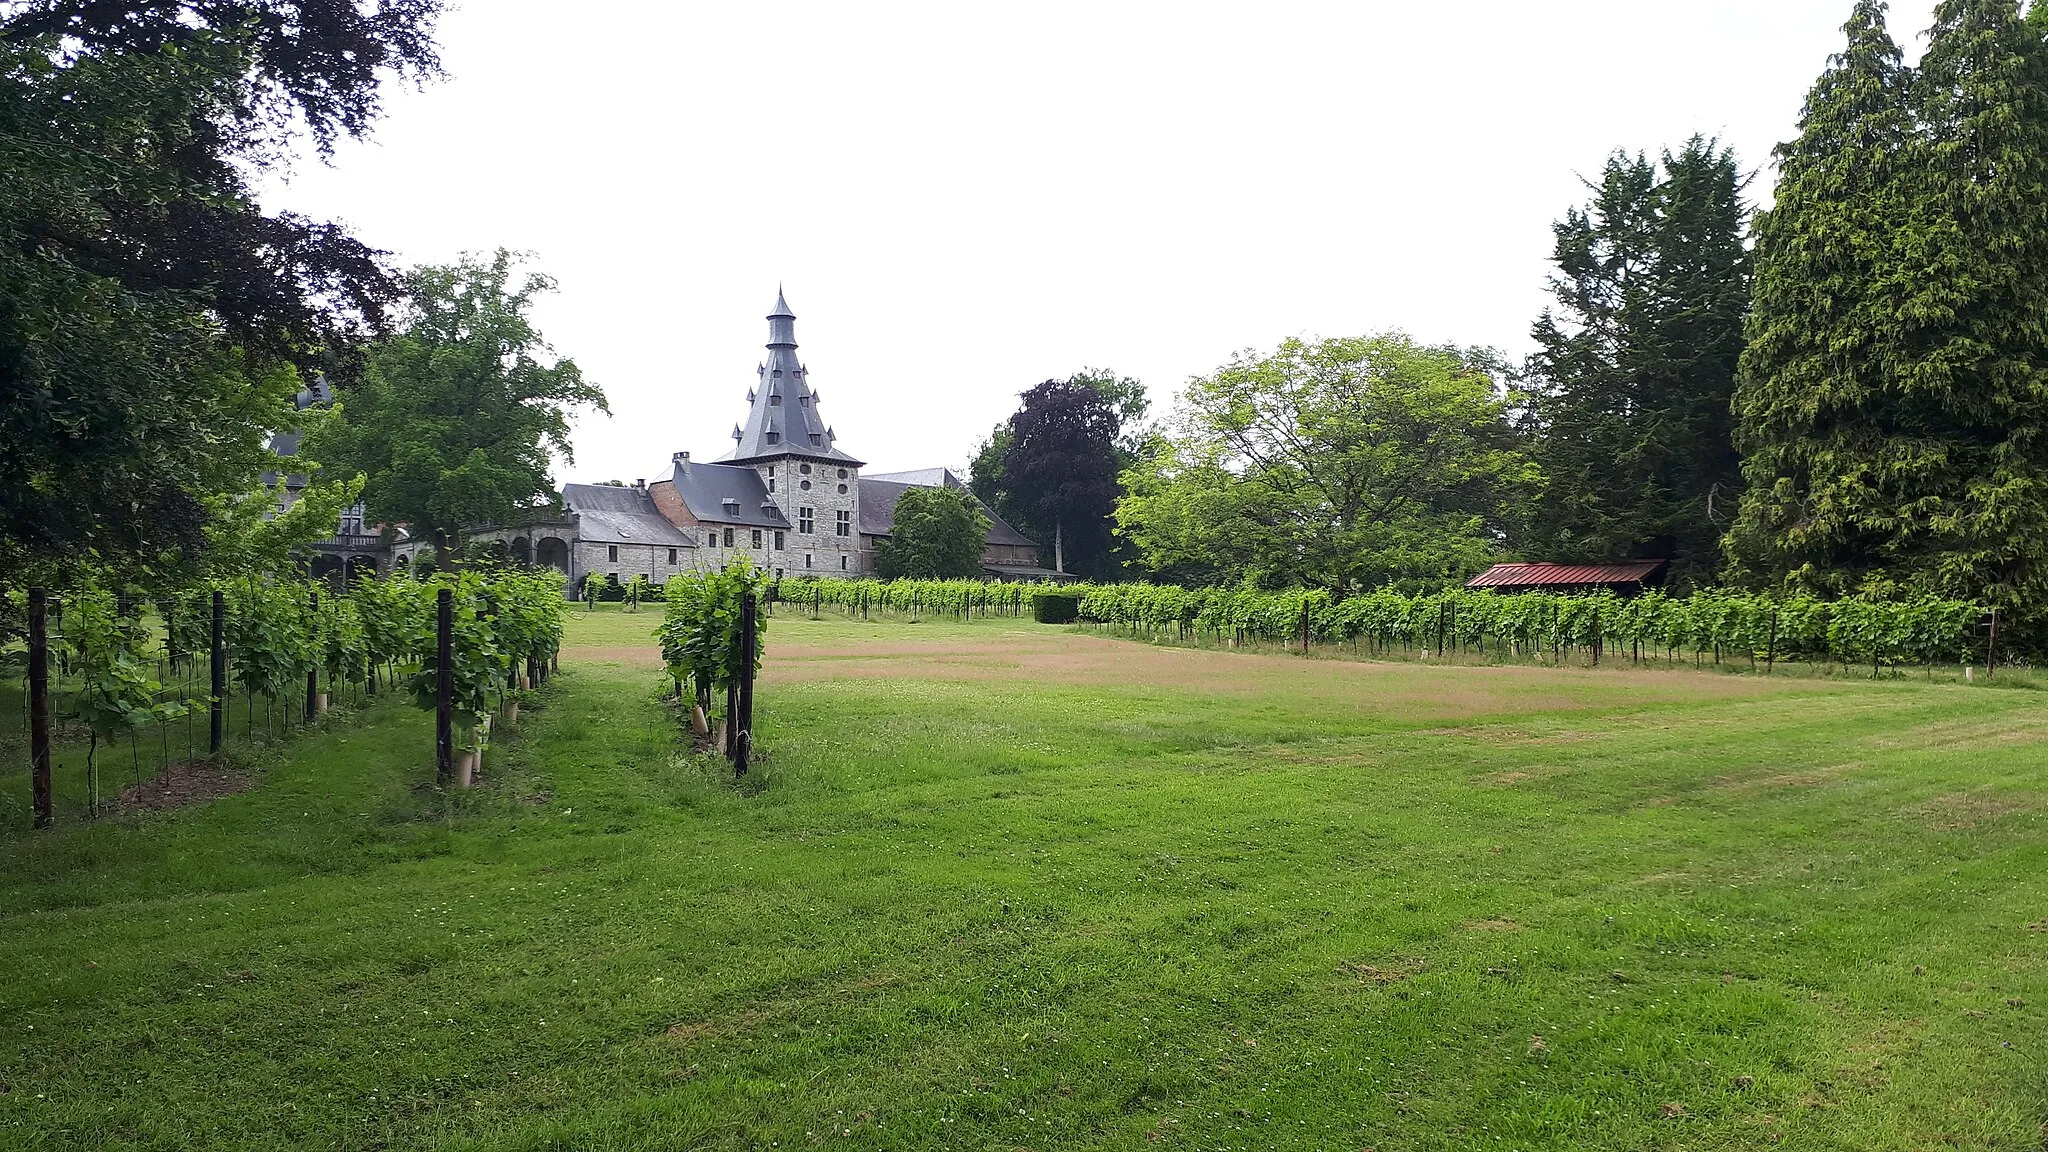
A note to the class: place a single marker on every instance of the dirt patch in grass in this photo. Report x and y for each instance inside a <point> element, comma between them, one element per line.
<point>1961,811</point>
<point>1442,692</point>
<point>1382,974</point>
<point>692,1031</point>
<point>186,782</point>
<point>2029,727</point>
<point>1493,925</point>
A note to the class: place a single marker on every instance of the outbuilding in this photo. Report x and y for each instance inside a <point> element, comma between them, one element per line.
<point>1625,579</point>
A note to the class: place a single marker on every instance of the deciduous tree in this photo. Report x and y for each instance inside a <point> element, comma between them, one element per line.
<point>458,415</point>
<point>938,533</point>
<point>1084,431</point>
<point>1343,464</point>
<point>148,308</point>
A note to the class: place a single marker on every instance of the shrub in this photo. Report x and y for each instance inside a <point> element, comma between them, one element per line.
<point>1049,607</point>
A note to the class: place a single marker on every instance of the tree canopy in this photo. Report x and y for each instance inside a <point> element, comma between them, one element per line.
<point>151,315</point>
<point>459,413</point>
<point>939,533</point>
<point>1636,364</point>
<point>1051,469</point>
<point>1343,464</point>
<point>1890,405</point>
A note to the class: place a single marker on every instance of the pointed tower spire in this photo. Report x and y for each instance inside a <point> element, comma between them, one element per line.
<point>781,323</point>
<point>782,411</point>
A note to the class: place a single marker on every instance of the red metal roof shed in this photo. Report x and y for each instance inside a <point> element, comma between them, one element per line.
<point>1633,576</point>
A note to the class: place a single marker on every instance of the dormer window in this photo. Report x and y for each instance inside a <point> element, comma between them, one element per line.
<point>803,401</point>
<point>817,441</point>
<point>775,437</point>
<point>775,399</point>
<point>778,373</point>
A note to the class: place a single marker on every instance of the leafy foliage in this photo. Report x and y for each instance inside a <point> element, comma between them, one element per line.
<point>700,628</point>
<point>1343,465</point>
<point>1051,469</point>
<point>458,416</point>
<point>938,532</point>
<point>1636,364</point>
<point>150,314</point>
<point>1726,623</point>
<point>109,653</point>
<point>1850,631</point>
<point>1889,407</point>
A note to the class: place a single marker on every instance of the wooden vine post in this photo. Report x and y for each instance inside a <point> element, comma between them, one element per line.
<point>39,704</point>
<point>313,671</point>
<point>1771,650</point>
<point>444,687</point>
<point>1991,648</point>
<point>744,740</point>
<point>217,662</point>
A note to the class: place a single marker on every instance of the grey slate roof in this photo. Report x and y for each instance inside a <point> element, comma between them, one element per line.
<point>608,515</point>
<point>726,494</point>
<point>783,418</point>
<point>923,478</point>
<point>878,498</point>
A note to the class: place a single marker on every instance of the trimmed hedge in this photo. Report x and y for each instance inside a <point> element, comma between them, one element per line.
<point>1055,607</point>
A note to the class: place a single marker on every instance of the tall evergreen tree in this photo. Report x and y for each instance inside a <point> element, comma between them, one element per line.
<point>1973,516</point>
<point>1821,327</point>
<point>1895,394</point>
<point>1636,362</point>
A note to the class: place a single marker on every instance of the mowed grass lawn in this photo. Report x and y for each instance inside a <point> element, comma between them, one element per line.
<point>1001,886</point>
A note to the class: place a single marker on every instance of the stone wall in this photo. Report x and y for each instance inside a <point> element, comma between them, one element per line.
<point>834,490</point>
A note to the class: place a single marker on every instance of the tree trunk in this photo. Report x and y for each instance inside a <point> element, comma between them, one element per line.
<point>1059,548</point>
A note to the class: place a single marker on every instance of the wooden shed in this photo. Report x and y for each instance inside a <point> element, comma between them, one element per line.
<point>1625,579</point>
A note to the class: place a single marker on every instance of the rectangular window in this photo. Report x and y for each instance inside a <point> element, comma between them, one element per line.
<point>728,537</point>
<point>806,522</point>
<point>614,553</point>
<point>778,539</point>
<point>842,561</point>
<point>671,555</point>
<point>757,537</point>
<point>775,437</point>
<point>845,522</point>
<point>771,481</point>
<point>807,559</point>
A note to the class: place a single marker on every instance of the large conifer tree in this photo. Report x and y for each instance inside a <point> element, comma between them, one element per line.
<point>1973,518</point>
<point>1636,363</point>
<point>1821,329</point>
<point>1895,400</point>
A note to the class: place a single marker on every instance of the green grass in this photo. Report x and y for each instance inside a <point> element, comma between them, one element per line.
<point>1004,886</point>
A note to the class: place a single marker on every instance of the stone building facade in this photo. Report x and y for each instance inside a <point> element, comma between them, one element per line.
<point>787,498</point>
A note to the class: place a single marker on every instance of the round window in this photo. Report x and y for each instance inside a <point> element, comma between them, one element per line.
<point>806,485</point>
<point>842,489</point>
<point>842,473</point>
<point>804,468</point>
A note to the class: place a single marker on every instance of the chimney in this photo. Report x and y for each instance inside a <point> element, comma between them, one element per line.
<point>682,460</point>
<point>641,484</point>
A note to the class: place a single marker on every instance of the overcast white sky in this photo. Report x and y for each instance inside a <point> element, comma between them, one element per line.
<point>965,199</point>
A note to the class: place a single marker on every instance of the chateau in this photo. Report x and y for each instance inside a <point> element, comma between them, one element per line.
<point>787,498</point>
